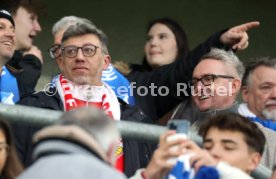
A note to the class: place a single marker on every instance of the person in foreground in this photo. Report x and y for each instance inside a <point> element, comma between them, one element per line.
<point>232,144</point>
<point>82,145</point>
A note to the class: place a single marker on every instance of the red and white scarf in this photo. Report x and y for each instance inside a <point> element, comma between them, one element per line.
<point>74,96</point>
<point>103,97</point>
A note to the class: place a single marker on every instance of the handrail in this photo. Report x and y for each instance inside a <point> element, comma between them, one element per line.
<point>43,117</point>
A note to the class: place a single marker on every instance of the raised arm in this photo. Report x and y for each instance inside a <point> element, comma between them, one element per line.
<point>161,163</point>
<point>237,37</point>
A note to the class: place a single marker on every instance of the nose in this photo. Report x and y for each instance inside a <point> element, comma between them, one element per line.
<point>199,86</point>
<point>273,92</point>
<point>215,152</point>
<point>10,33</point>
<point>153,41</point>
<point>36,26</point>
<point>80,56</point>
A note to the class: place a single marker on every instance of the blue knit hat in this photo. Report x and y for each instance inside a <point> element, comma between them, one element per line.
<point>5,14</point>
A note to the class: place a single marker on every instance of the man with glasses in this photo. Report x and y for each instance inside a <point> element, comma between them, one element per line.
<point>214,86</point>
<point>84,55</point>
<point>57,31</point>
<point>111,75</point>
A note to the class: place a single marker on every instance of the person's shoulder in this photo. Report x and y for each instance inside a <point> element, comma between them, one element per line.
<point>41,94</point>
<point>43,99</point>
<point>266,131</point>
<point>91,163</point>
<point>85,164</point>
<point>13,64</point>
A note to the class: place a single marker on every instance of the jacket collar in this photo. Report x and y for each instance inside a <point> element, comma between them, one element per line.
<point>203,115</point>
<point>62,140</point>
<point>213,112</point>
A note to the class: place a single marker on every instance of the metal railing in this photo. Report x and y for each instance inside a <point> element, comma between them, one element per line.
<point>43,117</point>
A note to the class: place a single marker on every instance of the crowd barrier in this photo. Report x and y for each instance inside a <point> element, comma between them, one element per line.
<point>38,116</point>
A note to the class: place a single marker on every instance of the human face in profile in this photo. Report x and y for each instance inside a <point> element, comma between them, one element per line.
<point>28,27</point>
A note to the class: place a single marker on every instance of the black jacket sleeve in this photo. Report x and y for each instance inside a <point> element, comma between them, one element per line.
<point>32,71</point>
<point>27,70</point>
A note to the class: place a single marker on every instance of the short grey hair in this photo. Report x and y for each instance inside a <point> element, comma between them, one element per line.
<point>67,21</point>
<point>83,29</point>
<point>228,58</point>
<point>95,122</point>
<point>251,66</point>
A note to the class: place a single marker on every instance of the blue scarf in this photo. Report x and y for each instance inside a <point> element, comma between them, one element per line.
<point>183,170</point>
<point>9,88</point>
<point>268,123</point>
<point>119,84</point>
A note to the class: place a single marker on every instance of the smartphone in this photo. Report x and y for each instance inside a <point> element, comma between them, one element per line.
<point>180,125</point>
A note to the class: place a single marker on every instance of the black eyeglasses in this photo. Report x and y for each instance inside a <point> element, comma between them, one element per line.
<point>54,51</point>
<point>71,51</point>
<point>207,80</point>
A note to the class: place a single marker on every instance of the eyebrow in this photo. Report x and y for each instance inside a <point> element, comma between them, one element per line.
<point>207,140</point>
<point>266,83</point>
<point>207,74</point>
<point>224,141</point>
<point>161,33</point>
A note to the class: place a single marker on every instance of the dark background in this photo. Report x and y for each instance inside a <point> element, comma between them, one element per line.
<point>124,22</point>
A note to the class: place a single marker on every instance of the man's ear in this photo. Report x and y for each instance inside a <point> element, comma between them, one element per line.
<point>254,162</point>
<point>244,91</point>
<point>236,86</point>
<point>106,61</point>
<point>59,61</point>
